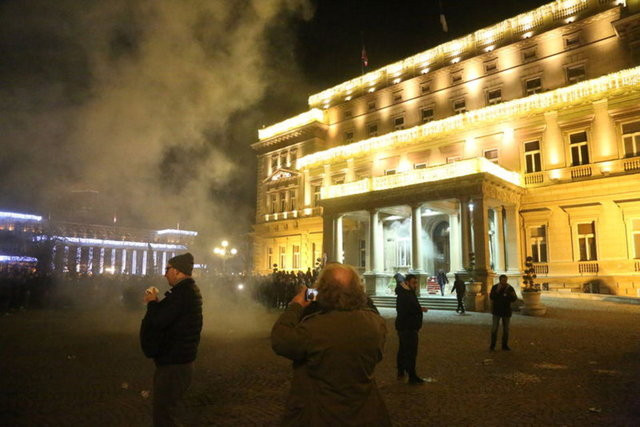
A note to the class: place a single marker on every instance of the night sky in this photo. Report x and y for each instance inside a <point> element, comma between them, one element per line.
<point>153,104</point>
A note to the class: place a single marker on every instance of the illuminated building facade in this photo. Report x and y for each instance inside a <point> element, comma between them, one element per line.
<point>521,139</point>
<point>87,248</point>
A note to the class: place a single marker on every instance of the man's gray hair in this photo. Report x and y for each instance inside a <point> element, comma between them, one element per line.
<point>340,288</point>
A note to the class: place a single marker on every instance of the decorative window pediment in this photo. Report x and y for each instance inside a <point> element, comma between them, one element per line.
<point>282,174</point>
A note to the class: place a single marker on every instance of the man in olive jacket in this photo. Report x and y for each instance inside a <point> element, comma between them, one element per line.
<point>170,334</point>
<point>334,352</point>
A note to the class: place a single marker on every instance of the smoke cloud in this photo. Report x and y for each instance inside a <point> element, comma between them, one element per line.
<point>148,102</point>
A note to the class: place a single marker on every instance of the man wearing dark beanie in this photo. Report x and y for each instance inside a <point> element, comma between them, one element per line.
<point>170,334</point>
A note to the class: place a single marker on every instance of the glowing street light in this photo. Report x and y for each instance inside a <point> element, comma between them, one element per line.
<point>224,252</point>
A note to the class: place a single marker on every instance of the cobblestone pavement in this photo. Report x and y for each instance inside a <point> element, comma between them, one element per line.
<point>579,365</point>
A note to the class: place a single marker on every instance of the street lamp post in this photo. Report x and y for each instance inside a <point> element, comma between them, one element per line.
<point>224,252</point>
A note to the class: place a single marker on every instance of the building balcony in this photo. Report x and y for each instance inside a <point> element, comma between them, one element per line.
<point>419,176</point>
<point>582,172</point>
<point>297,213</point>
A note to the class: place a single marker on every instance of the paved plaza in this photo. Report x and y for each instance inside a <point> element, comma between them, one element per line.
<point>579,365</point>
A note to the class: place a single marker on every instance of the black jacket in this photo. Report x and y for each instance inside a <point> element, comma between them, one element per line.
<point>170,331</point>
<point>409,317</point>
<point>502,300</point>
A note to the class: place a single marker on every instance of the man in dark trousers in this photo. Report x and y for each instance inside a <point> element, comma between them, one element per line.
<point>408,323</point>
<point>502,295</point>
<point>170,334</point>
<point>442,280</point>
<point>458,287</point>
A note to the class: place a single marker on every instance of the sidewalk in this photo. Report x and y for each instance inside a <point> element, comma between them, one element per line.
<point>579,365</point>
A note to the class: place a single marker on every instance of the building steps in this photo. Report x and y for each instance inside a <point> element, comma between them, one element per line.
<point>431,302</point>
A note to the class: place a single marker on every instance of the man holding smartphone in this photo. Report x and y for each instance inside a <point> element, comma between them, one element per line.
<point>170,334</point>
<point>334,350</point>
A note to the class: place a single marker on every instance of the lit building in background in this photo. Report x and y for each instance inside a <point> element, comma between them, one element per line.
<point>63,246</point>
<point>521,139</point>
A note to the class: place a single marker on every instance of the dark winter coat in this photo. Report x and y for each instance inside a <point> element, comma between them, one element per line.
<point>502,300</point>
<point>458,286</point>
<point>334,355</point>
<point>409,312</point>
<point>170,331</point>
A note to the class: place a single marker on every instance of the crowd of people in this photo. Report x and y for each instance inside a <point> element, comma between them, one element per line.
<point>24,287</point>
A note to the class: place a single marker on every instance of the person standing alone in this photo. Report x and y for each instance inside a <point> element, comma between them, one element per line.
<point>170,334</point>
<point>408,324</point>
<point>458,287</point>
<point>502,295</point>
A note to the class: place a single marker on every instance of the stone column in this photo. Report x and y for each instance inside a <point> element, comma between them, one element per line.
<point>327,236</point>
<point>465,231</point>
<point>145,261</point>
<point>307,188</point>
<point>512,239</point>
<point>326,178</point>
<point>553,145</point>
<point>603,133</point>
<point>416,239</point>
<point>337,239</point>
<point>500,243</point>
<point>455,251</point>
<point>350,174</point>
<point>480,234</point>
<point>373,241</point>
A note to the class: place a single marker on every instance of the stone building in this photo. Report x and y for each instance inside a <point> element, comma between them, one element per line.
<point>520,139</point>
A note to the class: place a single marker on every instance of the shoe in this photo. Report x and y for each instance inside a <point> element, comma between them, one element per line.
<point>400,375</point>
<point>506,348</point>
<point>416,380</point>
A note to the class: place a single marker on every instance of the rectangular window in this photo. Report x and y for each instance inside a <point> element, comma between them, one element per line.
<point>419,165</point>
<point>533,86</point>
<point>269,258</point>
<point>390,172</point>
<point>631,139</point>
<point>587,241</point>
<point>453,159</point>
<point>397,96</point>
<point>571,40</point>
<point>292,200</point>
<point>372,130</point>
<point>529,54</point>
<point>274,163</point>
<point>362,259</point>
<point>316,194</point>
<point>459,106</point>
<point>293,156</point>
<point>579,148</point>
<point>490,66</point>
<point>296,257</point>
<point>348,137</point>
<point>532,156</point>
<point>348,114</point>
<point>575,74</point>
<point>635,234</point>
<point>339,179</point>
<point>283,159</point>
<point>456,77</point>
<point>538,243</point>
<point>494,96</point>
<point>273,207</point>
<point>283,201</point>
<point>491,154</point>
<point>371,105</point>
<point>283,257</point>
<point>398,123</point>
<point>425,88</point>
<point>426,115</point>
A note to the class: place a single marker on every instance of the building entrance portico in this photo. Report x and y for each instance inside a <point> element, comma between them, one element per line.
<point>426,229</point>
